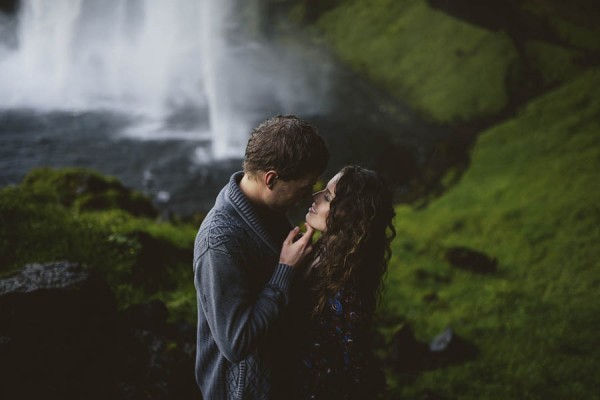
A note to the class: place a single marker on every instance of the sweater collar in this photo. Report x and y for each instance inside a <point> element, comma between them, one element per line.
<point>243,206</point>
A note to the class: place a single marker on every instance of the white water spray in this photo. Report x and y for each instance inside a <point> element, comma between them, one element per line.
<point>160,61</point>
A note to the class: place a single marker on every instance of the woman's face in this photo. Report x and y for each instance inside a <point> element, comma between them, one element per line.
<point>318,212</point>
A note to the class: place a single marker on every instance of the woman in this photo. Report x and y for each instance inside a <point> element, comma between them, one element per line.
<point>342,281</point>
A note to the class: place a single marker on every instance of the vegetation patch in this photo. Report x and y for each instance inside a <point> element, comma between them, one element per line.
<point>446,68</point>
<point>555,64</point>
<point>530,201</point>
<point>575,23</point>
<point>457,61</point>
<point>81,216</point>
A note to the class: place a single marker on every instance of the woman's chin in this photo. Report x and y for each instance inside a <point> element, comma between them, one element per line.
<point>307,220</point>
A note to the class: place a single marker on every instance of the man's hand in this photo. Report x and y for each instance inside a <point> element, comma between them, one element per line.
<point>293,252</point>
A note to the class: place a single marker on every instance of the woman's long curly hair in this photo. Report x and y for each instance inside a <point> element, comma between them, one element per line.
<point>355,249</point>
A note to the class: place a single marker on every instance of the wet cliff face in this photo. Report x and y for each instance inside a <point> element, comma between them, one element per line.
<point>9,6</point>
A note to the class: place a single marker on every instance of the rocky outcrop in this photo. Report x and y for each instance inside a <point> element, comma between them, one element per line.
<point>61,337</point>
<point>58,329</point>
<point>471,260</point>
<point>410,356</point>
<point>9,6</point>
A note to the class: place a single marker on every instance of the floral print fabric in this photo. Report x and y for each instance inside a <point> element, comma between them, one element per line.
<point>339,362</point>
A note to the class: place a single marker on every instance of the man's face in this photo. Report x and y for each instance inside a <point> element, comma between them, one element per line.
<point>285,194</point>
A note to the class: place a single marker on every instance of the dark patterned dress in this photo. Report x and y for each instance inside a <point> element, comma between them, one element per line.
<point>337,360</point>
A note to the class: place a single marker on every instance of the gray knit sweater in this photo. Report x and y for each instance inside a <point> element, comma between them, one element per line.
<point>241,291</point>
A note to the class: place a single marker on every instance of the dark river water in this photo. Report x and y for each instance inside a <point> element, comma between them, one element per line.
<point>81,66</point>
<point>363,126</point>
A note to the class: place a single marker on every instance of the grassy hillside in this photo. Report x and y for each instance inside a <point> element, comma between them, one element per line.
<point>444,67</point>
<point>460,61</point>
<point>531,199</point>
<point>81,216</point>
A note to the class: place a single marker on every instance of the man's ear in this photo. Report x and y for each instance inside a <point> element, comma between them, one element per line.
<point>269,178</point>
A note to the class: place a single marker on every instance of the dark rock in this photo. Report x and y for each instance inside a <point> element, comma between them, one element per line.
<point>426,276</point>
<point>9,6</point>
<point>448,348</point>
<point>471,260</point>
<point>154,254</point>
<point>59,275</point>
<point>407,354</point>
<point>431,297</point>
<point>378,340</point>
<point>521,23</point>
<point>429,394</point>
<point>158,356</point>
<point>185,332</point>
<point>62,338</point>
<point>493,15</point>
<point>58,321</point>
<point>151,315</point>
<point>441,341</point>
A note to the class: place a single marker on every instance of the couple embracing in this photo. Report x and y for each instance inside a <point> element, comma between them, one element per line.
<point>280,314</point>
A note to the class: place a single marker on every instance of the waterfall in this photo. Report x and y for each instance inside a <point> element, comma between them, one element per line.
<point>159,61</point>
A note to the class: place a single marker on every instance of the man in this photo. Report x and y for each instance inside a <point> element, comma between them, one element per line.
<point>242,280</point>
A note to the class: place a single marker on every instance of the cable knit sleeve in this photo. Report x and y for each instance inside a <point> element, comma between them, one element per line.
<point>238,317</point>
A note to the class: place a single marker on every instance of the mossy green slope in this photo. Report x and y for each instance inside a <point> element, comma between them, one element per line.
<point>574,22</point>
<point>451,69</point>
<point>531,198</point>
<point>81,216</point>
<point>447,69</point>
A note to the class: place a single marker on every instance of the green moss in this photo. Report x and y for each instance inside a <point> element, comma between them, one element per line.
<point>531,199</point>
<point>580,36</point>
<point>44,219</point>
<point>34,228</point>
<point>84,189</point>
<point>556,64</point>
<point>157,257</point>
<point>575,22</point>
<point>445,68</point>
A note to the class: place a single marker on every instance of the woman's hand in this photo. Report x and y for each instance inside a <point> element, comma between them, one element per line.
<point>294,252</point>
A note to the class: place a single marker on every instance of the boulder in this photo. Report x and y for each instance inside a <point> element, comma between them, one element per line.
<point>157,357</point>
<point>406,353</point>
<point>61,337</point>
<point>448,348</point>
<point>409,356</point>
<point>56,333</point>
<point>9,6</point>
<point>471,260</point>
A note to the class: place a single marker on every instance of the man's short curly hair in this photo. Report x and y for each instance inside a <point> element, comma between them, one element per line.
<point>288,145</point>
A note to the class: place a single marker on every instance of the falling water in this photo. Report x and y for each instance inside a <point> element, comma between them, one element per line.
<point>161,62</point>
